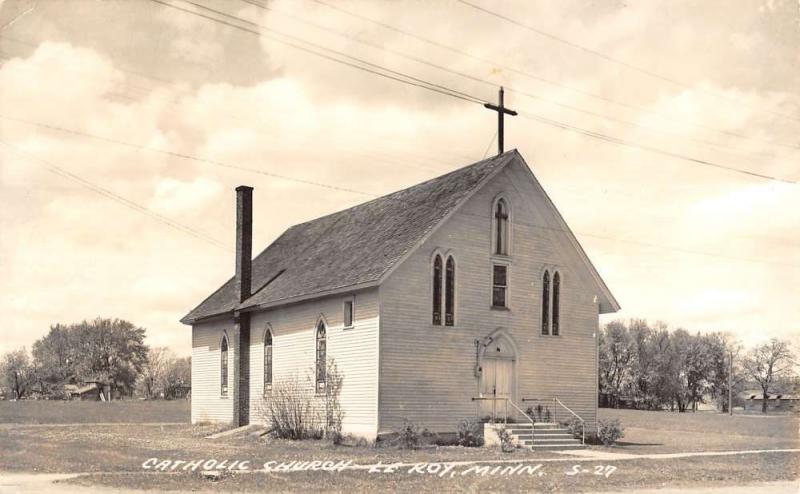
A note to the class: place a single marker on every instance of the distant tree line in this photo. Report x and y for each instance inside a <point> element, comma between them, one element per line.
<point>110,351</point>
<point>650,367</point>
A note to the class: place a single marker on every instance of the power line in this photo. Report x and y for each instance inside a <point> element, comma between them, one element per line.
<point>60,171</point>
<point>487,82</point>
<point>53,168</point>
<point>467,97</point>
<point>388,74</point>
<point>603,55</point>
<point>544,80</point>
<point>644,147</point>
<point>184,156</point>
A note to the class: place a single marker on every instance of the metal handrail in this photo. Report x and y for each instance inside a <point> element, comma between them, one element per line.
<point>583,422</point>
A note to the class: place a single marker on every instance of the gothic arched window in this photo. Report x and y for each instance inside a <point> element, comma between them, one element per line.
<point>556,296</point>
<point>546,303</point>
<point>267,360</point>
<point>321,350</point>
<point>501,227</point>
<point>437,290</point>
<point>223,366</point>
<point>449,291</point>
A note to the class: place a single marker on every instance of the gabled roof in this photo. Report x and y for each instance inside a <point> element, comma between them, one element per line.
<point>353,248</point>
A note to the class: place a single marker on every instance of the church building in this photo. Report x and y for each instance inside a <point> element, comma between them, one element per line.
<point>434,301</point>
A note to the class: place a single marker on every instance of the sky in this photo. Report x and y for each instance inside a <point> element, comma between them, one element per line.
<point>102,213</point>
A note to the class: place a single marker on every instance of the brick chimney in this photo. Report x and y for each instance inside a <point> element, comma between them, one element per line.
<point>244,241</point>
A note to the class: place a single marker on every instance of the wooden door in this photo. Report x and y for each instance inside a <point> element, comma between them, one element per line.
<point>496,382</point>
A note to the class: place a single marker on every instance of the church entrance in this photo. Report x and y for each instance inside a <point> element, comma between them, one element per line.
<point>498,365</point>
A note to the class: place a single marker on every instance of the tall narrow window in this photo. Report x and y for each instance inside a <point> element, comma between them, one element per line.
<point>268,361</point>
<point>499,285</point>
<point>546,303</point>
<point>321,341</point>
<point>501,228</point>
<point>223,366</point>
<point>449,292</point>
<point>437,290</point>
<point>556,297</point>
<point>348,313</point>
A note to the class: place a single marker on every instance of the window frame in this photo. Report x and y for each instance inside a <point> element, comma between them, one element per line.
<point>320,366</point>
<point>352,301</point>
<point>268,383</point>
<point>437,281</point>
<point>507,234</point>
<point>506,287</point>
<point>450,284</point>
<point>224,364</point>
<point>555,304</point>
<point>546,293</point>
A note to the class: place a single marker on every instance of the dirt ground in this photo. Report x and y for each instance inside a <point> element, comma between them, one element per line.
<point>112,456</point>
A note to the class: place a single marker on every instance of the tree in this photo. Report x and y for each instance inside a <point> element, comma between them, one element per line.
<point>616,353</point>
<point>153,378</point>
<point>768,363</point>
<point>17,372</point>
<point>179,373</point>
<point>108,349</point>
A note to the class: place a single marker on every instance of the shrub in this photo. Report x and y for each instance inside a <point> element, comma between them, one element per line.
<point>610,431</point>
<point>506,441</point>
<point>333,407</point>
<point>290,412</point>
<point>408,435</point>
<point>574,426</point>
<point>295,412</point>
<point>470,433</point>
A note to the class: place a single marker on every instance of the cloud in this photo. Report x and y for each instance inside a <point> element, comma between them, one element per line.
<point>646,220</point>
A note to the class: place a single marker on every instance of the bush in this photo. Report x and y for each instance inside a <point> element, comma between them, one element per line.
<point>290,412</point>
<point>610,431</point>
<point>470,433</point>
<point>574,426</point>
<point>294,411</point>
<point>506,441</point>
<point>408,436</point>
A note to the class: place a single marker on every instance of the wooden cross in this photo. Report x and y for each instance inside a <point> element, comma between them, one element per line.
<point>501,110</point>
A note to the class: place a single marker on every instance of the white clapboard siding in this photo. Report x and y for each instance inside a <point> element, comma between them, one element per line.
<point>293,354</point>
<point>207,404</point>
<point>427,372</point>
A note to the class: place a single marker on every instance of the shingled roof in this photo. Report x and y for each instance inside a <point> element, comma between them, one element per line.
<point>351,248</point>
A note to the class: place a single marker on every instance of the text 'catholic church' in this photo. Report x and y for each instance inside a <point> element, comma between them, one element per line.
<point>469,285</point>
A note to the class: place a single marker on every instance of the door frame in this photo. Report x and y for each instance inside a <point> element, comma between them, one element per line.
<point>485,344</point>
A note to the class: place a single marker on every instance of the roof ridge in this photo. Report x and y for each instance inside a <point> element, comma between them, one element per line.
<point>420,184</point>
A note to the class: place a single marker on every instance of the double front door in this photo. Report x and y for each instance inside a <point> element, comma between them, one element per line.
<point>496,382</point>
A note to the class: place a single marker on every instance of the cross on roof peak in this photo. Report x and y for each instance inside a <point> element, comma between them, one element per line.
<point>501,111</point>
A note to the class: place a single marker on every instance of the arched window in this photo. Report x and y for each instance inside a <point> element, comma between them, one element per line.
<point>449,291</point>
<point>267,360</point>
<point>321,342</point>
<point>501,228</point>
<point>437,290</point>
<point>223,366</point>
<point>546,303</point>
<point>556,296</point>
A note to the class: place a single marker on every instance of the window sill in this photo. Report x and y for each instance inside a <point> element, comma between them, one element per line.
<point>348,327</point>
<point>497,307</point>
<point>223,397</point>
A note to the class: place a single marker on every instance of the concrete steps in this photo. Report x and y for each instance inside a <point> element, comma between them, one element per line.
<point>544,436</point>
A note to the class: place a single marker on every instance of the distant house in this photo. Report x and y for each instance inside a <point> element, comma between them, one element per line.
<point>787,403</point>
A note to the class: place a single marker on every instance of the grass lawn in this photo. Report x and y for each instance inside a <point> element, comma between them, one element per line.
<point>669,432</point>
<point>113,454</point>
<point>74,412</point>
